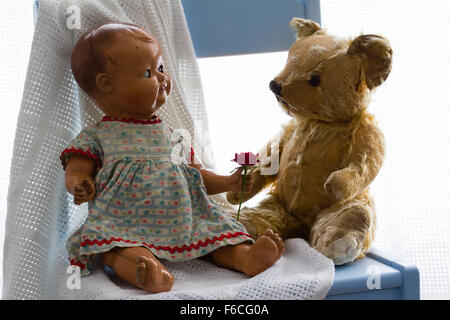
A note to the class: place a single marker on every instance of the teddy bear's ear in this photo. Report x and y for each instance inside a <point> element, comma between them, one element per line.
<point>376,53</point>
<point>304,27</point>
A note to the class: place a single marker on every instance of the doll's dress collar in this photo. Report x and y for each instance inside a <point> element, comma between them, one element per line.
<point>152,120</point>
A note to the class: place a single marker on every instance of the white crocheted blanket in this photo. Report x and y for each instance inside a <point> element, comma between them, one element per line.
<point>301,274</point>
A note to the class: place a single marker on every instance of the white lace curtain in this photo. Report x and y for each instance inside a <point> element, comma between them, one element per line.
<point>53,111</point>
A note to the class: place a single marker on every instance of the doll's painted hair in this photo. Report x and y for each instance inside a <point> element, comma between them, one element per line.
<point>92,54</point>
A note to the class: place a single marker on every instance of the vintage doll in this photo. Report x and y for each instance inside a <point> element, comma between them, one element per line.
<point>143,206</point>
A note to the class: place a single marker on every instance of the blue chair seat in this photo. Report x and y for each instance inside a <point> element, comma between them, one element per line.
<point>375,277</point>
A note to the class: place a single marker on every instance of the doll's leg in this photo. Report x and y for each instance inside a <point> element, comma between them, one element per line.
<point>139,267</point>
<point>251,259</point>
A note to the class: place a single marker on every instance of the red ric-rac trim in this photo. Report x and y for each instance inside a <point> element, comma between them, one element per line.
<point>82,152</point>
<point>188,248</point>
<point>77,263</point>
<point>153,120</point>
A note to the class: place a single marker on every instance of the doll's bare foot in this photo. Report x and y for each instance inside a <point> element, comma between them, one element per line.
<point>263,253</point>
<point>152,276</point>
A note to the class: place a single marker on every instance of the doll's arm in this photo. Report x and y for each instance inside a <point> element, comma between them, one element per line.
<point>80,171</point>
<point>215,183</point>
<point>363,165</point>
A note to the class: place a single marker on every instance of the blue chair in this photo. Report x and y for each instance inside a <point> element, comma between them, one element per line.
<point>231,27</point>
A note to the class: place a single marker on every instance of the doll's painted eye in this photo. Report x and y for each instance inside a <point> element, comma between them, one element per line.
<point>147,73</point>
<point>314,81</point>
<point>161,68</point>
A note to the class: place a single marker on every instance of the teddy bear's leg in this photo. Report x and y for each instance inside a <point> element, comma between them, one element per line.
<point>345,231</point>
<point>270,214</point>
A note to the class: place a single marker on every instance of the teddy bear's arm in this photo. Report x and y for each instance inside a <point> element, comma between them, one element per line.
<point>362,165</point>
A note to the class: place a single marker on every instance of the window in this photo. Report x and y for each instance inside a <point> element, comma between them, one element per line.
<point>412,107</point>
<point>243,113</point>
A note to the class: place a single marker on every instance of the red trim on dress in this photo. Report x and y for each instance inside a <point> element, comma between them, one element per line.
<point>196,246</point>
<point>82,152</point>
<point>73,262</point>
<point>153,120</point>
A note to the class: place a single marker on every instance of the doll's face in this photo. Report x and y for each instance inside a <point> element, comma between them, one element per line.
<point>137,78</point>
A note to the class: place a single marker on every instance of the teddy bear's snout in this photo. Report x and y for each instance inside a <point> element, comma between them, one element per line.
<point>275,87</point>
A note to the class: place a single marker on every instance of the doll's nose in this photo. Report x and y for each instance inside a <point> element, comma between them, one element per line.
<point>275,87</point>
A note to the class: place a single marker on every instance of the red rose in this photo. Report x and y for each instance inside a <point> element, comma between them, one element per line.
<point>246,158</point>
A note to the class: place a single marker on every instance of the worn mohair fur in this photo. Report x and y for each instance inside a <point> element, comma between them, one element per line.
<point>330,151</point>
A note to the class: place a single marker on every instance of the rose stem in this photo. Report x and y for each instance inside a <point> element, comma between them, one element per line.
<point>242,192</point>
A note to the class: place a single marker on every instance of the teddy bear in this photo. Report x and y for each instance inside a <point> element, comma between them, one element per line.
<point>321,164</point>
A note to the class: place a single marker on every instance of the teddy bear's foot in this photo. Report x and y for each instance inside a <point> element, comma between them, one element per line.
<point>341,250</point>
<point>345,235</point>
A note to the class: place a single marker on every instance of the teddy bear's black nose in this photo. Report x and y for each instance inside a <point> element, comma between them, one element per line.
<point>275,87</point>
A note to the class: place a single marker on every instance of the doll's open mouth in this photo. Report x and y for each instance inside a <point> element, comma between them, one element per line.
<point>163,88</point>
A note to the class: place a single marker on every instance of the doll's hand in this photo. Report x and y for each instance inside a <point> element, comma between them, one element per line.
<point>84,189</point>
<point>235,182</point>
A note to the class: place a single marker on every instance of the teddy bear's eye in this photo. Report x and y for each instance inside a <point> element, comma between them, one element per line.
<point>147,73</point>
<point>161,68</point>
<point>314,81</point>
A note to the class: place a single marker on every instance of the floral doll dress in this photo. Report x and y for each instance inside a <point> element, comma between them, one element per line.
<point>144,198</point>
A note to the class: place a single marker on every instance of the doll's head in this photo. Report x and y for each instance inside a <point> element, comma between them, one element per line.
<point>120,66</point>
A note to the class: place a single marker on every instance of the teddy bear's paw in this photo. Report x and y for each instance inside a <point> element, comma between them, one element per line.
<point>341,247</point>
<point>233,197</point>
<point>341,185</point>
